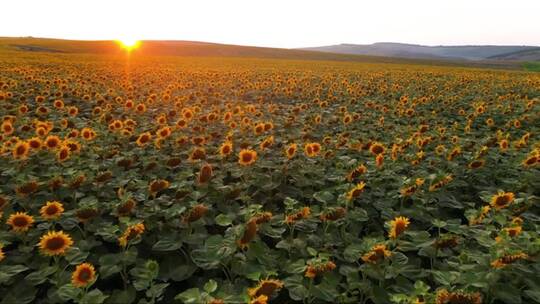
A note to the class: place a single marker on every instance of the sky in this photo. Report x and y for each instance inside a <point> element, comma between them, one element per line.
<point>279,23</point>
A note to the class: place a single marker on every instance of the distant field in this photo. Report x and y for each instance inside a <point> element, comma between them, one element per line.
<point>532,66</point>
<point>197,49</point>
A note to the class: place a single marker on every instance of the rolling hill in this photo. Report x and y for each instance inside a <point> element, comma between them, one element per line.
<point>61,47</point>
<point>465,52</point>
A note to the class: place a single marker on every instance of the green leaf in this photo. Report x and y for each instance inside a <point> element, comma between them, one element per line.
<point>190,296</point>
<point>8,271</point>
<point>324,197</point>
<point>40,276</point>
<point>533,294</point>
<point>210,286</point>
<point>156,291</point>
<point>223,220</point>
<point>94,297</point>
<point>507,293</point>
<point>68,292</point>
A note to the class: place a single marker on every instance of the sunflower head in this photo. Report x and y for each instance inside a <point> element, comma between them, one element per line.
<point>55,243</point>
<point>290,152</point>
<point>247,157</point>
<point>502,200</point>
<point>356,191</point>
<point>397,226</point>
<point>20,221</point>
<point>20,150</point>
<point>84,275</point>
<point>265,287</point>
<point>51,210</point>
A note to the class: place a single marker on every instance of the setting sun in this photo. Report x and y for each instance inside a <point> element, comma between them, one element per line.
<point>129,43</point>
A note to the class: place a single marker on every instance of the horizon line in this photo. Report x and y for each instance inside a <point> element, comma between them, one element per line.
<point>276,47</point>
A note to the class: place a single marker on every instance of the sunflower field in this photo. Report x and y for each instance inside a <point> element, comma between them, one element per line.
<point>214,180</point>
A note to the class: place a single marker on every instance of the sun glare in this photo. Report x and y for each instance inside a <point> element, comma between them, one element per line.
<point>129,43</point>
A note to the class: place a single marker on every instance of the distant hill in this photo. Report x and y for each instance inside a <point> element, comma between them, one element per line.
<point>61,47</point>
<point>463,52</point>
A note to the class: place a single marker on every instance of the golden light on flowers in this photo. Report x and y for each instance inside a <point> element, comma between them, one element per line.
<point>129,43</point>
<point>84,275</point>
<point>502,200</point>
<point>51,210</point>
<point>398,226</point>
<point>55,243</point>
<point>20,221</point>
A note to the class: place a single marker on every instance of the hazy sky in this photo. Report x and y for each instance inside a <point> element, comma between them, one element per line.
<point>279,23</point>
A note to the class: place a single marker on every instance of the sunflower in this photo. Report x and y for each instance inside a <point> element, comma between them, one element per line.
<point>197,153</point>
<point>265,287</point>
<point>312,149</point>
<point>377,253</point>
<point>84,275</point>
<point>262,299</point>
<point>475,164</point>
<point>21,149</point>
<point>20,221</point>
<point>63,153</point>
<point>55,243</point>
<point>7,127</point>
<point>27,188</point>
<point>35,143</point>
<point>247,157</point>
<point>376,148</point>
<point>144,138</point>
<point>164,132</point>
<point>158,185</point>
<point>379,160</point>
<point>356,191</point>
<point>267,143</point>
<point>51,210</point>
<point>88,134</point>
<point>290,152</point>
<point>302,214</point>
<point>315,269</point>
<point>531,161</point>
<point>205,174</point>
<point>131,233</point>
<point>196,213</point>
<point>397,226</point>
<point>86,214</point>
<point>502,199</point>
<point>446,297</point>
<point>126,208</point>
<point>226,149</point>
<point>250,231</point>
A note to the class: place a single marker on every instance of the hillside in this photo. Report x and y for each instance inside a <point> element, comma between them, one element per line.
<point>465,52</point>
<point>206,49</point>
